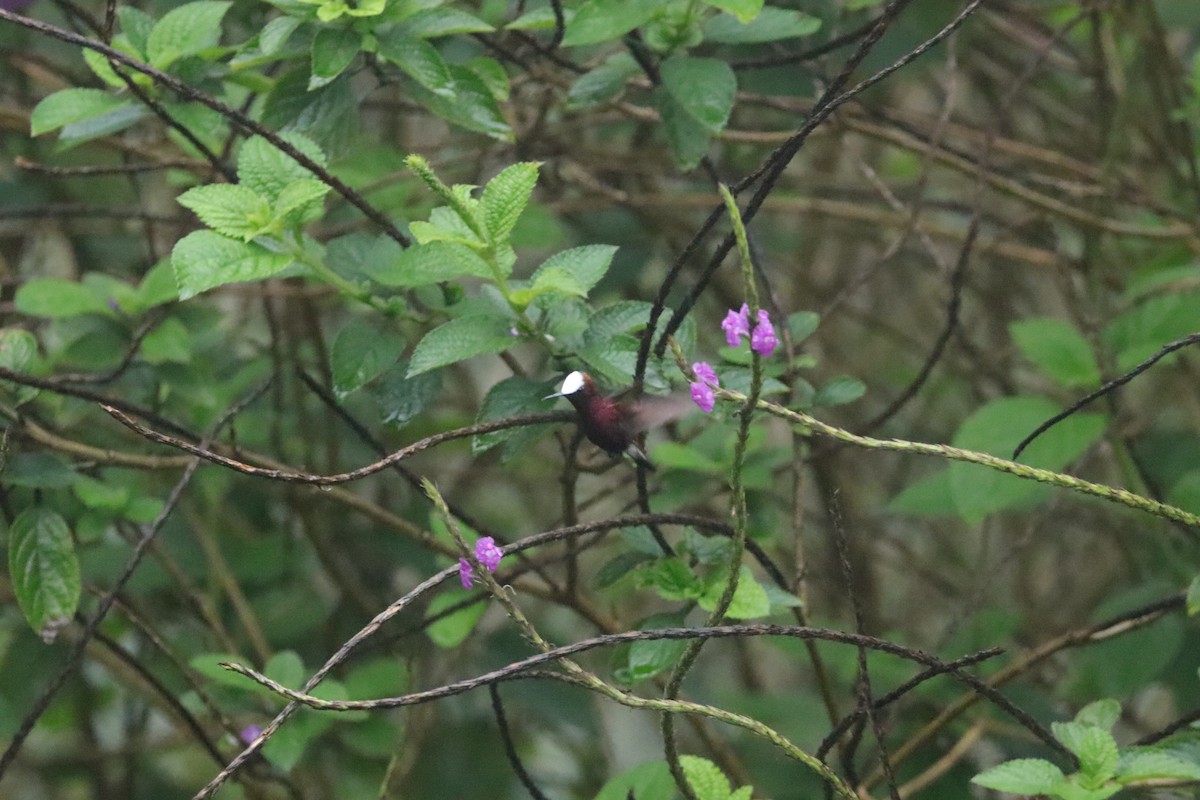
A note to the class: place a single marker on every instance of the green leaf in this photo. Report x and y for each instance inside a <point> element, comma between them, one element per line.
<point>41,470</point>
<point>1058,349</point>
<point>604,20</point>
<point>603,83</point>
<point>267,170</point>
<point>1193,597</point>
<point>996,429</point>
<point>460,339</point>
<point>170,342</point>
<point>619,567</point>
<point>674,455</point>
<point>231,210</point>
<point>1145,763</point>
<point>434,22</point>
<point>509,397</point>
<point>577,270</point>
<point>703,87</point>
<point>1022,776</point>
<point>744,10</point>
<point>136,25</point>
<point>426,264</point>
<point>839,391</point>
<point>401,398</point>
<point>621,317</point>
<point>59,299</point>
<point>300,201</point>
<point>505,197</point>
<point>772,25</point>
<point>1102,714</point>
<point>421,61</point>
<point>749,599</point>
<point>44,570</point>
<point>101,495</point>
<point>69,106</point>
<point>671,579</point>
<point>470,105</point>
<point>333,49</point>
<point>275,34</point>
<point>185,31</point>
<point>650,780</point>
<point>360,353</point>
<point>689,139</point>
<point>106,124</point>
<point>538,19</point>
<point>705,778</point>
<point>642,660</point>
<point>17,349</point>
<point>204,260</point>
<point>1095,747</point>
<point>451,630</point>
<point>493,75</point>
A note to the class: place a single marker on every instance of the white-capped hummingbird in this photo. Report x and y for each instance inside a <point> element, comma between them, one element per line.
<point>612,423</point>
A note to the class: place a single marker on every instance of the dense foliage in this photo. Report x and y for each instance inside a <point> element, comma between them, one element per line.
<point>291,507</point>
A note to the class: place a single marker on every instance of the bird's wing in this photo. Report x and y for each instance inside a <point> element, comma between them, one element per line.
<point>650,411</point>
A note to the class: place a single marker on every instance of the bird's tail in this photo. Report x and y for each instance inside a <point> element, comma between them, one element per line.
<point>635,452</point>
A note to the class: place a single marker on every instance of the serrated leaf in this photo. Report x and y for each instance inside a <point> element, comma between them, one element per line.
<point>267,170</point>
<point>300,201</point>
<point>136,25</point>
<point>204,260</point>
<point>605,20</point>
<point>70,106</point>
<point>1102,714</point>
<point>401,398</point>
<point>333,49</point>
<point>602,83</point>
<point>1058,349</point>
<point>771,25</point>
<point>434,22</point>
<point>185,31</point>
<point>705,778</point>
<point>460,339</point>
<point>621,317</point>
<point>510,397</point>
<point>1022,776</point>
<point>452,629</point>
<point>471,105</point>
<point>749,599</point>
<point>671,579</point>
<point>619,567</point>
<point>1146,763</point>
<point>582,268</point>
<point>59,299</point>
<point>421,61</point>
<point>360,353</point>
<point>1095,747</point>
<point>229,209</point>
<point>703,87</point>
<point>426,264</point>
<point>505,197</point>
<point>44,570</point>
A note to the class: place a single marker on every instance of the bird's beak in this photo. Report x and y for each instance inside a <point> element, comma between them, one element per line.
<point>556,394</point>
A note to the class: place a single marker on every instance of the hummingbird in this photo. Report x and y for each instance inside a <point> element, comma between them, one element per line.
<point>612,422</point>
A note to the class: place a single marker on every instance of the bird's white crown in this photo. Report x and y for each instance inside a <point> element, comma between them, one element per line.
<point>572,383</point>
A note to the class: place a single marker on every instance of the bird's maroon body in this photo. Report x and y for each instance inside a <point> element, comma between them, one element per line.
<point>612,424</point>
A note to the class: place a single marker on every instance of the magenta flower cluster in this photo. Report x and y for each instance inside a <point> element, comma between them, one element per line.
<point>762,337</point>
<point>487,553</point>
<point>736,325</point>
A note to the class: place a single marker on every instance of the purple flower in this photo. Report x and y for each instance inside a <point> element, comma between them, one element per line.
<point>736,324</point>
<point>763,340</point>
<point>702,389</point>
<point>488,554</point>
<point>249,733</point>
